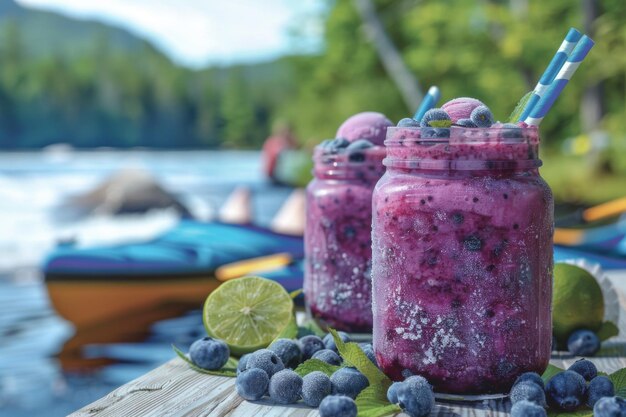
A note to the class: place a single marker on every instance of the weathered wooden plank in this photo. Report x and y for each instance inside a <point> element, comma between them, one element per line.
<point>174,390</point>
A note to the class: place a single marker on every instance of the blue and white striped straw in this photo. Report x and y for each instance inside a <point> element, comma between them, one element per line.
<point>430,100</point>
<point>568,44</point>
<point>569,68</point>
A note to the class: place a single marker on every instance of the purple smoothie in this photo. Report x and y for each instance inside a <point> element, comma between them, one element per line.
<point>462,258</point>
<point>337,282</point>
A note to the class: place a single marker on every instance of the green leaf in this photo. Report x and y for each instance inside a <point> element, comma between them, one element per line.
<point>619,381</point>
<point>294,294</point>
<point>440,123</point>
<point>289,332</point>
<point>314,327</point>
<point>579,413</point>
<point>230,369</point>
<point>352,354</point>
<point>550,371</point>
<point>369,404</point>
<point>517,112</point>
<point>312,365</point>
<point>608,330</point>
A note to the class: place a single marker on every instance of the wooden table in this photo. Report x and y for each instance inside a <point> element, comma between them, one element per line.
<point>174,390</point>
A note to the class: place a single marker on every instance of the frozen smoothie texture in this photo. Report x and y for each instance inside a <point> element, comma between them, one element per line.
<point>367,125</point>
<point>461,108</point>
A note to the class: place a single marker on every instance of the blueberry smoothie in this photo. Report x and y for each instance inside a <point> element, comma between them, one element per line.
<point>337,282</point>
<point>462,252</point>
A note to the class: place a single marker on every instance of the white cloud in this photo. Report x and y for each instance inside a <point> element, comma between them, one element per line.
<point>198,32</point>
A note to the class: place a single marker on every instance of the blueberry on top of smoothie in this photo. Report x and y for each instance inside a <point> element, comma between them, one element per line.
<point>482,116</point>
<point>408,122</point>
<point>465,123</point>
<point>436,118</point>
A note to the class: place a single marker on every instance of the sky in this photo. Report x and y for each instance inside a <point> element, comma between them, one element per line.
<point>197,33</point>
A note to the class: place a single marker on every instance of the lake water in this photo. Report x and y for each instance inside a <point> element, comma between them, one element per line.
<point>33,187</point>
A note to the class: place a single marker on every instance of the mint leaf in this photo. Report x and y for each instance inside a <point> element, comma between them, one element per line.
<point>440,123</point>
<point>619,381</point>
<point>289,332</point>
<point>312,365</point>
<point>369,403</point>
<point>353,355</point>
<point>230,369</point>
<point>314,327</point>
<point>519,109</point>
<point>550,371</point>
<point>607,330</point>
<point>578,413</point>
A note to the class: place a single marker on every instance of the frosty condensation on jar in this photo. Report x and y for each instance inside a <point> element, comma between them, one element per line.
<point>337,282</point>
<point>462,253</point>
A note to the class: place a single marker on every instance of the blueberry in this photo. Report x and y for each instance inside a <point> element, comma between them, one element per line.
<point>408,122</point>
<point>243,361</point>
<point>529,391</point>
<point>209,353</point>
<point>304,331</point>
<point>328,356</point>
<point>252,384</point>
<point>530,376</point>
<point>482,116</point>
<point>337,406</point>
<point>599,387</point>
<point>436,118</point>
<point>336,145</point>
<point>288,351</point>
<point>566,390</point>
<point>510,130</point>
<point>610,407</point>
<point>267,360</point>
<point>584,367</point>
<point>458,218</point>
<point>465,123</point>
<point>368,349</point>
<point>310,344</point>
<point>392,392</point>
<point>315,387</point>
<point>431,133</point>
<point>527,409</point>
<point>285,387</point>
<point>583,343</point>
<point>329,342</point>
<point>415,396</point>
<point>472,243</point>
<point>348,381</point>
<point>356,156</point>
<point>359,145</point>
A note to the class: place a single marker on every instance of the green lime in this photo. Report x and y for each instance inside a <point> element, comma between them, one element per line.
<point>247,313</point>
<point>577,301</point>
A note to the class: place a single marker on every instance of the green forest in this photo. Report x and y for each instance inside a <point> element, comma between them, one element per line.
<point>90,85</point>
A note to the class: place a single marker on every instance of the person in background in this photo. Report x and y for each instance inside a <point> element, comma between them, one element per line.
<point>282,138</point>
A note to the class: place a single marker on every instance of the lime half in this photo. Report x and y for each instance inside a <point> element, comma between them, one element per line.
<point>247,313</point>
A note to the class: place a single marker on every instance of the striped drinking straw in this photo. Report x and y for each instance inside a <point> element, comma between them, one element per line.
<point>430,100</point>
<point>571,65</point>
<point>568,44</point>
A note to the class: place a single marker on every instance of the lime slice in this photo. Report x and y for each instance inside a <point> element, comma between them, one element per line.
<point>247,313</point>
<point>577,301</point>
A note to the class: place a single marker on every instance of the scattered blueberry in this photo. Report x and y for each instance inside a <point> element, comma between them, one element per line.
<point>285,387</point>
<point>209,353</point>
<point>328,356</point>
<point>472,243</point>
<point>530,376</point>
<point>465,123</point>
<point>329,342</point>
<point>288,351</point>
<point>337,406</point>
<point>392,392</point>
<point>267,360</point>
<point>583,343</point>
<point>252,384</point>
<point>415,396</point>
<point>431,133</point>
<point>368,349</point>
<point>566,390</point>
<point>584,367</point>
<point>529,391</point>
<point>599,387</point>
<point>408,122</point>
<point>348,381</point>
<point>243,362</point>
<point>610,407</point>
<point>310,344</point>
<point>482,116</point>
<point>436,118</point>
<point>315,387</point>
<point>527,409</point>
